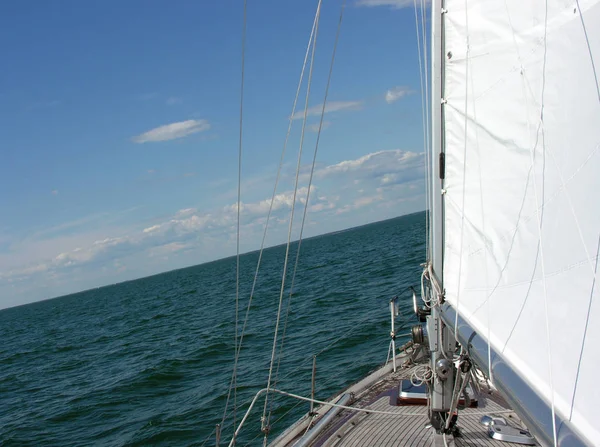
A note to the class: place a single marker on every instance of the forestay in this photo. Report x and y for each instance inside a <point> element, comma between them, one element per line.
<point>522,213</point>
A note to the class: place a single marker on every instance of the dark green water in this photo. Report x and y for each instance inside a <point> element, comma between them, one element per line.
<point>148,362</point>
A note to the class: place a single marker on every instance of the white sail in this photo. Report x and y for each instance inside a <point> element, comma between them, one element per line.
<point>522,178</point>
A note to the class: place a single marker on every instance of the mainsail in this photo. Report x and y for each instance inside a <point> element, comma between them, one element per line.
<point>521,140</point>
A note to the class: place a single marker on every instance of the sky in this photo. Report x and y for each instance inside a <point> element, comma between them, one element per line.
<point>120,129</point>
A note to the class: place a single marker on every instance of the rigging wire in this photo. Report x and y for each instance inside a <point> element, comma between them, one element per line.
<point>241,338</point>
<point>312,170</point>
<point>239,189</point>
<point>289,237</point>
<point>425,131</point>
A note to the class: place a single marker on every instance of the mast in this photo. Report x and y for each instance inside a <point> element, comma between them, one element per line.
<point>441,340</point>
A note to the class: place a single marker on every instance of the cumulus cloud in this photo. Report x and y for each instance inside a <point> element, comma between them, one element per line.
<point>172,131</point>
<point>394,94</point>
<point>280,201</point>
<point>330,107</point>
<point>389,178</point>
<point>350,192</point>
<point>173,234</point>
<point>167,249</point>
<point>401,164</point>
<point>186,212</point>
<point>151,229</point>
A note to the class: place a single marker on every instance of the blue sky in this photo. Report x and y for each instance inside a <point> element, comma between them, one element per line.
<point>120,132</point>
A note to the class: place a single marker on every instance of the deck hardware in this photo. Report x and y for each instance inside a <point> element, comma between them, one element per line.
<point>417,335</point>
<point>499,429</point>
<point>443,367</point>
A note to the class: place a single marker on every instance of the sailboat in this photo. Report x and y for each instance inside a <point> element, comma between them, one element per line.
<point>506,343</point>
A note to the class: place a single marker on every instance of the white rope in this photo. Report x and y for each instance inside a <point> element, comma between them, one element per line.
<point>420,375</point>
<point>289,237</point>
<point>436,299</point>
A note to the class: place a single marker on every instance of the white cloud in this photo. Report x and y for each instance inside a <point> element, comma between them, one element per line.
<point>350,192</point>
<point>396,4</point>
<point>333,106</point>
<point>81,255</point>
<point>359,203</point>
<point>173,100</point>
<point>389,178</point>
<point>54,192</point>
<point>150,171</point>
<point>151,229</point>
<point>376,164</point>
<point>185,212</point>
<point>315,127</point>
<point>166,249</point>
<point>321,206</point>
<point>280,201</point>
<point>394,94</point>
<point>171,234</point>
<point>172,131</point>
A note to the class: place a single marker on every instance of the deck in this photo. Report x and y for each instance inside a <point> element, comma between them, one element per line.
<point>402,425</point>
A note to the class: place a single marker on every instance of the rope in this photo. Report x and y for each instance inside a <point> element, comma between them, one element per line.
<point>312,170</point>
<point>239,347</point>
<point>422,374</point>
<point>289,237</point>
<point>437,289</point>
